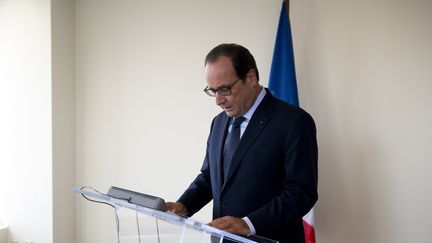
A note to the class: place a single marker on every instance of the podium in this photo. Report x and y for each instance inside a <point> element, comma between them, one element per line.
<point>168,228</point>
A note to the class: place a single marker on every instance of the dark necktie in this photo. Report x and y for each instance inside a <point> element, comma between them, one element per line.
<point>231,144</point>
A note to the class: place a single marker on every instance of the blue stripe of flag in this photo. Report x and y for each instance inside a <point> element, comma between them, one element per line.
<point>282,81</point>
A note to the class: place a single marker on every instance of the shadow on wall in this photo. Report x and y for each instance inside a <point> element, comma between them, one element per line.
<point>3,233</point>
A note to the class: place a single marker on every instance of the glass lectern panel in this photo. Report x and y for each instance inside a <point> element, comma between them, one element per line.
<point>141,224</point>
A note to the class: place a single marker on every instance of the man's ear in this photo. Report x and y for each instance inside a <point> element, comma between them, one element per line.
<point>251,76</point>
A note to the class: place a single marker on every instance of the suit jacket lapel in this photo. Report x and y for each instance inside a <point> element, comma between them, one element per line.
<point>259,120</point>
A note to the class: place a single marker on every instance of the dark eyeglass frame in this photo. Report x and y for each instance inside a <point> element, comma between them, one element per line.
<point>224,91</point>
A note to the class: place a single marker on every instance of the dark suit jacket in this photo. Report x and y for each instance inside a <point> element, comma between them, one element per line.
<point>273,175</point>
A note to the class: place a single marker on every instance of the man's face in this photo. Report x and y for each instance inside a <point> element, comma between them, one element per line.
<point>220,74</point>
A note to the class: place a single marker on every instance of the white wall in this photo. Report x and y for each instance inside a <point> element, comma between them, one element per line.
<point>364,71</point>
<point>142,117</point>
<point>37,120</point>
<point>25,123</point>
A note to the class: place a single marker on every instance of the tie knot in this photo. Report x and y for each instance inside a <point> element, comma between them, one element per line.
<point>237,121</point>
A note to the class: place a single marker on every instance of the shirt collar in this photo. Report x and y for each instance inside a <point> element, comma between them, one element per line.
<point>251,111</point>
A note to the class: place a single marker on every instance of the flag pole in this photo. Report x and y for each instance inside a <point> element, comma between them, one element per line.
<point>287,7</point>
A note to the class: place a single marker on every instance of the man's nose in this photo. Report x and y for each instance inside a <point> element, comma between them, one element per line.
<point>219,99</point>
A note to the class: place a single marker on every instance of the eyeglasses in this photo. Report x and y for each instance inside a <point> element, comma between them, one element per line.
<point>224,91</point>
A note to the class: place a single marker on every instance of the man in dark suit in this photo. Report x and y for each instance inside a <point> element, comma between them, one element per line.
<point>264,182</point>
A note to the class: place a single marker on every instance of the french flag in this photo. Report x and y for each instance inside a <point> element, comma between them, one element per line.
<point>283,85</point>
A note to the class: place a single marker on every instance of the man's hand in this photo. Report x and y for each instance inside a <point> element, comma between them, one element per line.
<point>177,208</point>
<point>231,224</point>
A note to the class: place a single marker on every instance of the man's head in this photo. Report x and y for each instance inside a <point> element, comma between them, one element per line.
<point>232,75</point>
